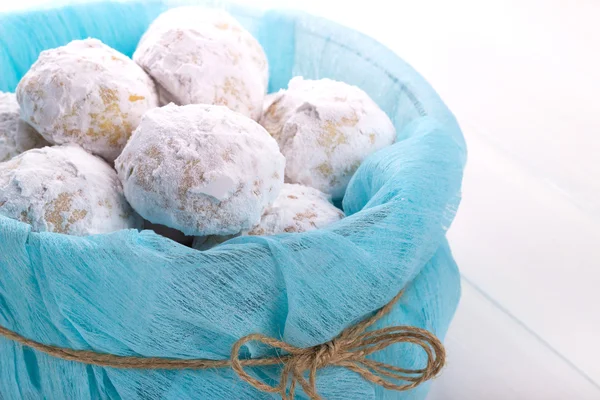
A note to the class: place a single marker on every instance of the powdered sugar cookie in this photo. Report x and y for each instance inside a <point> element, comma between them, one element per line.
<point>201,169</point>
<point>66,190</point>
<point>86,93</point>
<point>325,129</point>
<point>204,56</point>
<point>297,209</point>
<point>16,136</point>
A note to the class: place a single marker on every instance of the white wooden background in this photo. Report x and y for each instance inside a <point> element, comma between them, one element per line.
<point>523,78</point>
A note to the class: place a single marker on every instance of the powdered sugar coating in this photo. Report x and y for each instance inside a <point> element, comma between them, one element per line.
<point>204,56</point>
<point>298,208</point>
<point>64,189</point>
<point>16,136</point>
<point>8,104</point>
<point>200,169</point>
<point>86,93</point>
<point>325,129</point>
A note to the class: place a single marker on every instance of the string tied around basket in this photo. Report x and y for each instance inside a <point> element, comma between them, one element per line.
<point>349,350</point>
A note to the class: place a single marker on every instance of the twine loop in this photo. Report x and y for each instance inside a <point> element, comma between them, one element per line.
<point>348,350</point>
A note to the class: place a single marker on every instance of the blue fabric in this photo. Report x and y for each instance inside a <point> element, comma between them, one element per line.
<point>135,293</point>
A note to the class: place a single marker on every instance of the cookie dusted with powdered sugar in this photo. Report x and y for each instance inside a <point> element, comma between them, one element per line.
<point>16,136</point>
<point>201,169</point>
<point>204,56</point>
<point>298,208</point>
<point>64,189</point>
<point>325,129</point>
<point>86,93</point>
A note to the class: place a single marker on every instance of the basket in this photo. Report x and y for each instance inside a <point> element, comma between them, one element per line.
<point>133,293</point>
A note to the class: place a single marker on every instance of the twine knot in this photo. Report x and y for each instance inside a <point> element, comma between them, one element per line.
<point>348,350</point>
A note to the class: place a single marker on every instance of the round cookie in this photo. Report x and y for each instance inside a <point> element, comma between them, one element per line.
<point>64,189</point>
<point>204,56</point>
<point>16,136</point>
<point>297,209</point>
<point>201,169</point>
<point>86,93</point>
<point>325,129</point>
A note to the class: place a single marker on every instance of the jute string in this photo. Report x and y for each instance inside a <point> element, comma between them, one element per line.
<point>348,350</point>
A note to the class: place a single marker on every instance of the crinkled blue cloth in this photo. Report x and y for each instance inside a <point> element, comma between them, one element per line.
<point>136,293</point>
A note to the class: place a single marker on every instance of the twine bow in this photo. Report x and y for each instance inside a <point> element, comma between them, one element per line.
<point>348,350</point>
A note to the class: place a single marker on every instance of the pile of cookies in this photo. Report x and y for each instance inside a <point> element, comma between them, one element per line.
<point>182,139</point>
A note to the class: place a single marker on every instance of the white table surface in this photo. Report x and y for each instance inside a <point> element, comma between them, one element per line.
<point>523,78</point>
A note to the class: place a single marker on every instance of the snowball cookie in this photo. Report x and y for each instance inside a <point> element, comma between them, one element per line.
<point>325,129</point>
<point>86,93</point>
<point>66,190</point>
<point>204,56</point>
<point>201,169</point>
<point>297,209</point>
<point>16,136</point>
<point>169,233</point>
